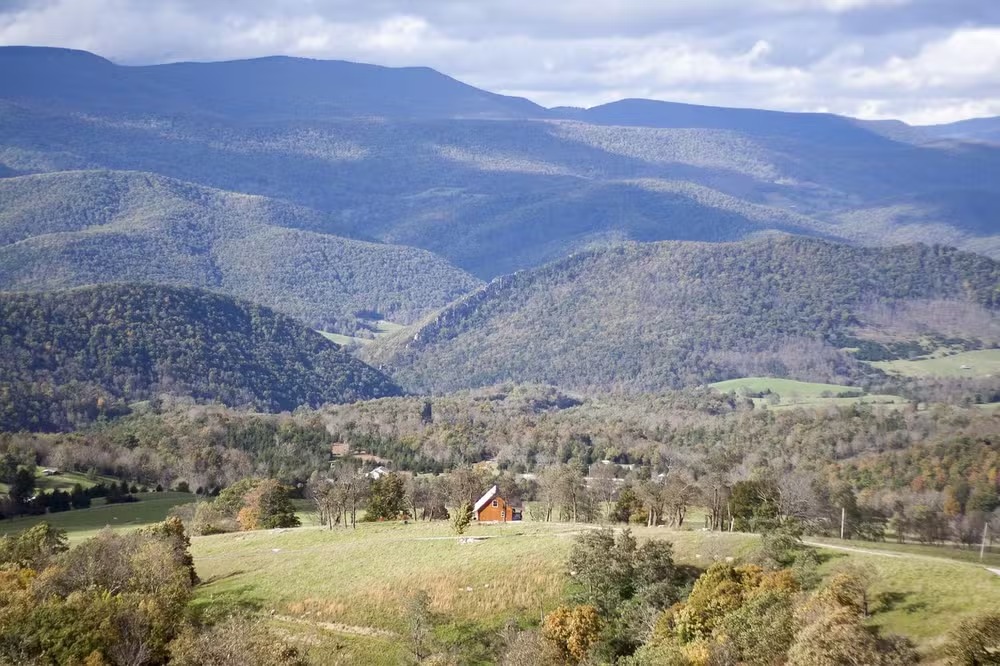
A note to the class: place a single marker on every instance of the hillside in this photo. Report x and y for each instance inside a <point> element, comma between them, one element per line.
<point>77,228</point>
<point>72,355</point>
<point>647,317</point>
<point>489,183</point>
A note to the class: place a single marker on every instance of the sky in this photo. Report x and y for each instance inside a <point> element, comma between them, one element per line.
<point>921,61</point>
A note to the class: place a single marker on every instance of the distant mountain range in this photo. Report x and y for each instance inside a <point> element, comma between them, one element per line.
<point>490,183</point>
<point>342,194</point>
<point>75,228</point>
<point>644,317</point>
<point>68,356</point>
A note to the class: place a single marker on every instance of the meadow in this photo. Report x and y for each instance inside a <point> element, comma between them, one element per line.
<point>972,364</point>
<point>791,392</point>
<point>342,593</point>
<point>82,524</point>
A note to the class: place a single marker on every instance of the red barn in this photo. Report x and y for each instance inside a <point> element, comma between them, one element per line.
<point>492,508</point>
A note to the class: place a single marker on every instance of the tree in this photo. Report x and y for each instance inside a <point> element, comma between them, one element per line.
<point>34,547</point>
<point>420,626</point>
<point>387,500</point>
<point>605,484</point>
<point>463,518</point>
<point>626,506</point>
<point>22,489</point>
<point>267,506</point>
<point>574,631</point>
<point>611,570</point>
<point>755,505</point>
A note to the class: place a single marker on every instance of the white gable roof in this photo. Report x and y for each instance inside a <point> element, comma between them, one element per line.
<point>490,494</point>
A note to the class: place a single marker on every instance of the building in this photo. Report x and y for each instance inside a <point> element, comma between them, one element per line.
<point>494,508</point>
<point>378,473</point>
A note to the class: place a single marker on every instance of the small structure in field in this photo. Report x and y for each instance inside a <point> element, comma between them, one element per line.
<point>50,471</point>
<point>378,473</point>
<point>494,508</point>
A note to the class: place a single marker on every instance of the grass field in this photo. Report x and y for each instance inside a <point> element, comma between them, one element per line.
<point>382,328</point>
<point>85,523</point>
<point>63,481</point>
<point>975,364</point>
<point>922,597</point>
<point>791,392</point>
<point>341,593</point>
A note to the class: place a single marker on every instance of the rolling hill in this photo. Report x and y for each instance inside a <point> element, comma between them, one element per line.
<point>492,184</point>
<point>70,229</point>
<point>72,355</point>
<point>975,129</point>
<point>644,317</point>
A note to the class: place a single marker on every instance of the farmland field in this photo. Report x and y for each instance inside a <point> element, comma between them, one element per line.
<point>84,523</point>
<point>789,392</point>
<point>973,364</point>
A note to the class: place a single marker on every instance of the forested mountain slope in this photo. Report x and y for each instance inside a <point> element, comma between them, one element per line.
<point>84,227</point>
<point>490,183</point>
<point>72,355</point>
<point>647,317</point>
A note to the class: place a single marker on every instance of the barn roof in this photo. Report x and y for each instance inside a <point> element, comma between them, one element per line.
<point>490,494</point>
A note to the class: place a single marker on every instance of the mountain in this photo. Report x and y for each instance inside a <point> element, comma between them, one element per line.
<point>820,127</point>
<point>975,129</point>
<point>69,229</point>
<point>489,183</point>
<point>273,88</point>
<point>645,317</point>
<point>73,354</point>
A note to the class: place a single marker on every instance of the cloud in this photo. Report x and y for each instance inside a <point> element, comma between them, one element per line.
<point>919,60</point>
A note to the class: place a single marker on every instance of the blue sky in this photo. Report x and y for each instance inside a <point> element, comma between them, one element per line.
<point>923,61</point>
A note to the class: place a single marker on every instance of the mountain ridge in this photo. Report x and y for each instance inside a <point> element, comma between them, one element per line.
<point>69,229</point>
<point>645,317</point>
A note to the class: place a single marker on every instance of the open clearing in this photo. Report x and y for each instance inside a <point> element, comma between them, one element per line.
<point>791,392</point>
<point>315,581</point>
<point>84,523</point>
<point>339,594</point>
<point>382,327</point>
<point>972,364</point>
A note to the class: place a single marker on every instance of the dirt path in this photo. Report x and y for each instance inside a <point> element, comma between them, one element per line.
<point>897,555</point>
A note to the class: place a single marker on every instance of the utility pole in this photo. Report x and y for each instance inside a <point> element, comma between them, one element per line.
<point>982,546</point>
<point>843,519</point>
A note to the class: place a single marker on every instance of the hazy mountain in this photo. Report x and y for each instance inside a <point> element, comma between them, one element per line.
<point>492,184</point>
<point>975,129</point>
<point>651,316</point>
<point>274,88</point>
<point>76,352</point>
<point>76,228</point>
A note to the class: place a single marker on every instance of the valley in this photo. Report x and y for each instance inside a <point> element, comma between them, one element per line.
<point>311,361</point>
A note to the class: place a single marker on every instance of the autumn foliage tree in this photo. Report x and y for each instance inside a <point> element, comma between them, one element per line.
<point>573,630</point>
